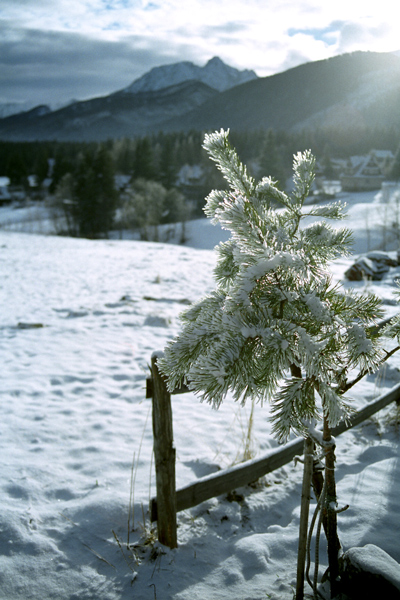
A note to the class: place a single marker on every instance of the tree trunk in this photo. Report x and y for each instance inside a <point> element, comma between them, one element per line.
<point>331,509</point>
<point>304,511</point>
<point>318,484</point>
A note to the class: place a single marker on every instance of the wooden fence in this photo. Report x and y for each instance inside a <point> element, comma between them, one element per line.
<point>169,501</point>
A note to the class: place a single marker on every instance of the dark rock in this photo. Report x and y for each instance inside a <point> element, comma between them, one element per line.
<point>369,572</point>
<point>365,268</point>
<point>382,257</point>
<point>29,325</point>
<point>373,266</point>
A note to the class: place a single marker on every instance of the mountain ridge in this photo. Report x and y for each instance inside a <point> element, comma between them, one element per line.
<point>307,96</point>
<point>215,73</point>
<point>357,88</point>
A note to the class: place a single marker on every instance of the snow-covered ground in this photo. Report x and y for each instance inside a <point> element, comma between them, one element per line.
<point>79,321</point>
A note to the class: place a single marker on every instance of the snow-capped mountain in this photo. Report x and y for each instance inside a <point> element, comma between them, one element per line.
<point>358,89</point>
<point>215,74</point>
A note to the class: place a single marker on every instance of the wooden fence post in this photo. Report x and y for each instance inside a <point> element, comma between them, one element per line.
<point>164,458</point>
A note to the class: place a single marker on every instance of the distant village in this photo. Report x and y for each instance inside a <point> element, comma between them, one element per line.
<point>354,174</point>
<point>363,173</point>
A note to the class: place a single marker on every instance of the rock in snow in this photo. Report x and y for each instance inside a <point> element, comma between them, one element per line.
<point>373,266</point>
<point>370,572</point>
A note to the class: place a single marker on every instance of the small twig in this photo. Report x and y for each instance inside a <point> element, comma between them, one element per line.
<point>131,511</point>
<point>131,500</point>
<point>345,387</point>
<point>99,555</point>
<point>122,551</point>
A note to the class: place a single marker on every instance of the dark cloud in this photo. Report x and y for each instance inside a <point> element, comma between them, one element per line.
<point>50,67</point>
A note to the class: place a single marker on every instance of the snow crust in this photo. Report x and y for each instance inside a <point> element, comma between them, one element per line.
<point>79,323</point>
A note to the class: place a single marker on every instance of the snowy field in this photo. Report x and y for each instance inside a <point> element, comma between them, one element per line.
<point>79,322</point>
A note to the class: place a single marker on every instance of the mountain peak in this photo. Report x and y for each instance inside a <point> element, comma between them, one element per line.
<point>215,61</point>
<point>216,74</point>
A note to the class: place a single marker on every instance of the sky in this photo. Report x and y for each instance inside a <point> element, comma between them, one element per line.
<point>54,51</point>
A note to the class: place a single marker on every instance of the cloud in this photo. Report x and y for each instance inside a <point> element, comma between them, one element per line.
<point>230,27</point>
<point>382,36</point>
<point>54,49</point>
<point>328,35</point>
<point>43,65</point>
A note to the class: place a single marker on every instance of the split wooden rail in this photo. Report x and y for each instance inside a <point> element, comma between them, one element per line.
<point>169,501</point>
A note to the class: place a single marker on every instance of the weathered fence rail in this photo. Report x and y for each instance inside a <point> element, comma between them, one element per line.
<point>169,501</point>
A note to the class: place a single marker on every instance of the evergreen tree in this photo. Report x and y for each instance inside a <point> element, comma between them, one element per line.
<point>123,155</point>
<point>395,170</point>
<point>270,160</point>
<point>276,328</point>
<point>327,167</point>
<point>143,165</point>
<point>167,165</point>
<point>95,195</point>
<point>41,163</point>
<point>16,168</point>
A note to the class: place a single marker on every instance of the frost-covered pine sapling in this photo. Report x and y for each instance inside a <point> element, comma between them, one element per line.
<point>392,329</point>
<point>275,328</point>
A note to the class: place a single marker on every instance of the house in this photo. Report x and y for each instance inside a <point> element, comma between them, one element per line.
<point>190,182</point>
<point>190,175</point>
<point>5,195</point>
<point>384,157</point>
<point>366,173</point>
<point>121,181</point>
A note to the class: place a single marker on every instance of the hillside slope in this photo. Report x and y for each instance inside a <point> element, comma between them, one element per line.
<point>358,89</point>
